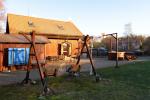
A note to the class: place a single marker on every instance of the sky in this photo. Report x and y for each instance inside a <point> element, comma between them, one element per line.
<point>92,17</point>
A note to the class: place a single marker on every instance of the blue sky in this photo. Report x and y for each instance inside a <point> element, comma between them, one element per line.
<point>90,16</point>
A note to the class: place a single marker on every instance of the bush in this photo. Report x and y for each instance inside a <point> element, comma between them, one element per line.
<point>146,46</point>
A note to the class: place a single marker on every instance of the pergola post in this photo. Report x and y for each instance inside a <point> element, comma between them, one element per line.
<point>115,35</point>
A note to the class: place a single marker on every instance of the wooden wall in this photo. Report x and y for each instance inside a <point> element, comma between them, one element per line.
<point>1,56</point>
<point>40,49</point>
<point>52,48</point>
<point>43,50</point>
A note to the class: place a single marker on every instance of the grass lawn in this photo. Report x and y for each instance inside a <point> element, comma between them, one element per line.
<point>129,82</point>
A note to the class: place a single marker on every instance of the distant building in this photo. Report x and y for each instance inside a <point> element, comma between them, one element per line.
<point>129,44</point>
<point>125,44</point>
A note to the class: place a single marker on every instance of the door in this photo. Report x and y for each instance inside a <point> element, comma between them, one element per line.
<point>66,49</point>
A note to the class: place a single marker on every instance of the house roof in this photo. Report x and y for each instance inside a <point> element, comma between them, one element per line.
<point>20,39</point>
<point>18,23</point>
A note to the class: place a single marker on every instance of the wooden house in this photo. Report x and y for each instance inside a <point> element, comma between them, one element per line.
<point>64,35</point>
<point>53,39</point>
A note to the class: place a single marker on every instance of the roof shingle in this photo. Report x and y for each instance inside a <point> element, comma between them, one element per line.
<point>25,24</point>
<point>20,39</point>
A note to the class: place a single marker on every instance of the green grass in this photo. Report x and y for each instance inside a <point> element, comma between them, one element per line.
<point>129,82</point>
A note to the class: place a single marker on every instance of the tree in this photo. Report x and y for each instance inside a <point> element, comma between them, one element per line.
<point>96,44</point>
<point>146,45</point>
<point>108,43</point>
<point>2,14</point>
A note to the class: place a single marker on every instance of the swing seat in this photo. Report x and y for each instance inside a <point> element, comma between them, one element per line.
<point>54,68</point>
<point>73,68</point>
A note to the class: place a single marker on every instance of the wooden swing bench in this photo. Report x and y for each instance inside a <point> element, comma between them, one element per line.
<point>75,68</point>
<point>44,71</point>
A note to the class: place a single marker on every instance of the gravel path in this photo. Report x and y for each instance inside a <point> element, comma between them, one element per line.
<point>18,76</point>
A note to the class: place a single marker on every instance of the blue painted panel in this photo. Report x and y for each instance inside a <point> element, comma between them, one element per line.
<point>27,55</point>
<point>18,56</point>
<point>10,56</point>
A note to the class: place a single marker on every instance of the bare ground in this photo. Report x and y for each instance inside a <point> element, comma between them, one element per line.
<point>17,76</point>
